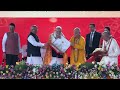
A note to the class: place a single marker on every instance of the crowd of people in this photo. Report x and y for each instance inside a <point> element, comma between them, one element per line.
<point>81,48</point>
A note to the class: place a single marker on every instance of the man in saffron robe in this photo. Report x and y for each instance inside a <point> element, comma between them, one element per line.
<point>51,56</point>
<point>78,48</point>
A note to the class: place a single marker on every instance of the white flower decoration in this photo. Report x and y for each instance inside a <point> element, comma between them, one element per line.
<point>93,62</point>
<point>92,77</point>
<point>34,70</point>
<point>98,63</point>
<point>95,66</point>
<point>112,67</point>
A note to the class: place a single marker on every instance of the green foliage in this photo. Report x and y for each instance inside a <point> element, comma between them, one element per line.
<point>21,66</point>
<point>87,65</point>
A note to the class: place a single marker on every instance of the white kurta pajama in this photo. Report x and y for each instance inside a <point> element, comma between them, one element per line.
<point>34,60</point>
<point>55,60</point>
<point>113,53</point>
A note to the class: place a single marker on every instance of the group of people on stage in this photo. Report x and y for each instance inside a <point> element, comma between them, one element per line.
<point>81,49</point>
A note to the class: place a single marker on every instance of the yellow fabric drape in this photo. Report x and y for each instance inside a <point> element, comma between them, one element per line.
<point>77,56</point>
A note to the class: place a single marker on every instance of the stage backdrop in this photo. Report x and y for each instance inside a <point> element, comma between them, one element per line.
<point>47,25</point>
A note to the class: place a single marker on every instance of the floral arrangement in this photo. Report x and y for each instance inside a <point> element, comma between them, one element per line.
<point>84,71</point>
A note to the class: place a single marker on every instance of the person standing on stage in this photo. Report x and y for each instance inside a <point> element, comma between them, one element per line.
<point>11,46</point>
<point>92,40</point>
<point>77,48</point>
<point>33,47</point>
<point>51,56</point>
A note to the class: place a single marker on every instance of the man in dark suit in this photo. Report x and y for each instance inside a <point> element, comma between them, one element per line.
<point>92,40</point>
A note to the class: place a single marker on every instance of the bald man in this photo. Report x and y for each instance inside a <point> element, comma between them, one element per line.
<point>33,47</point>
<point>77,48</point>
<point>51,56</point>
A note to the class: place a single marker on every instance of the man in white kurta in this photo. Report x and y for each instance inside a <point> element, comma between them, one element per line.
<point>33,48</point>
<point>56,58</point>
<point>111,46</point>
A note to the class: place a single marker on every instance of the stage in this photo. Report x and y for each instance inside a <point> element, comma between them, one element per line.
<point>46,27</point>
